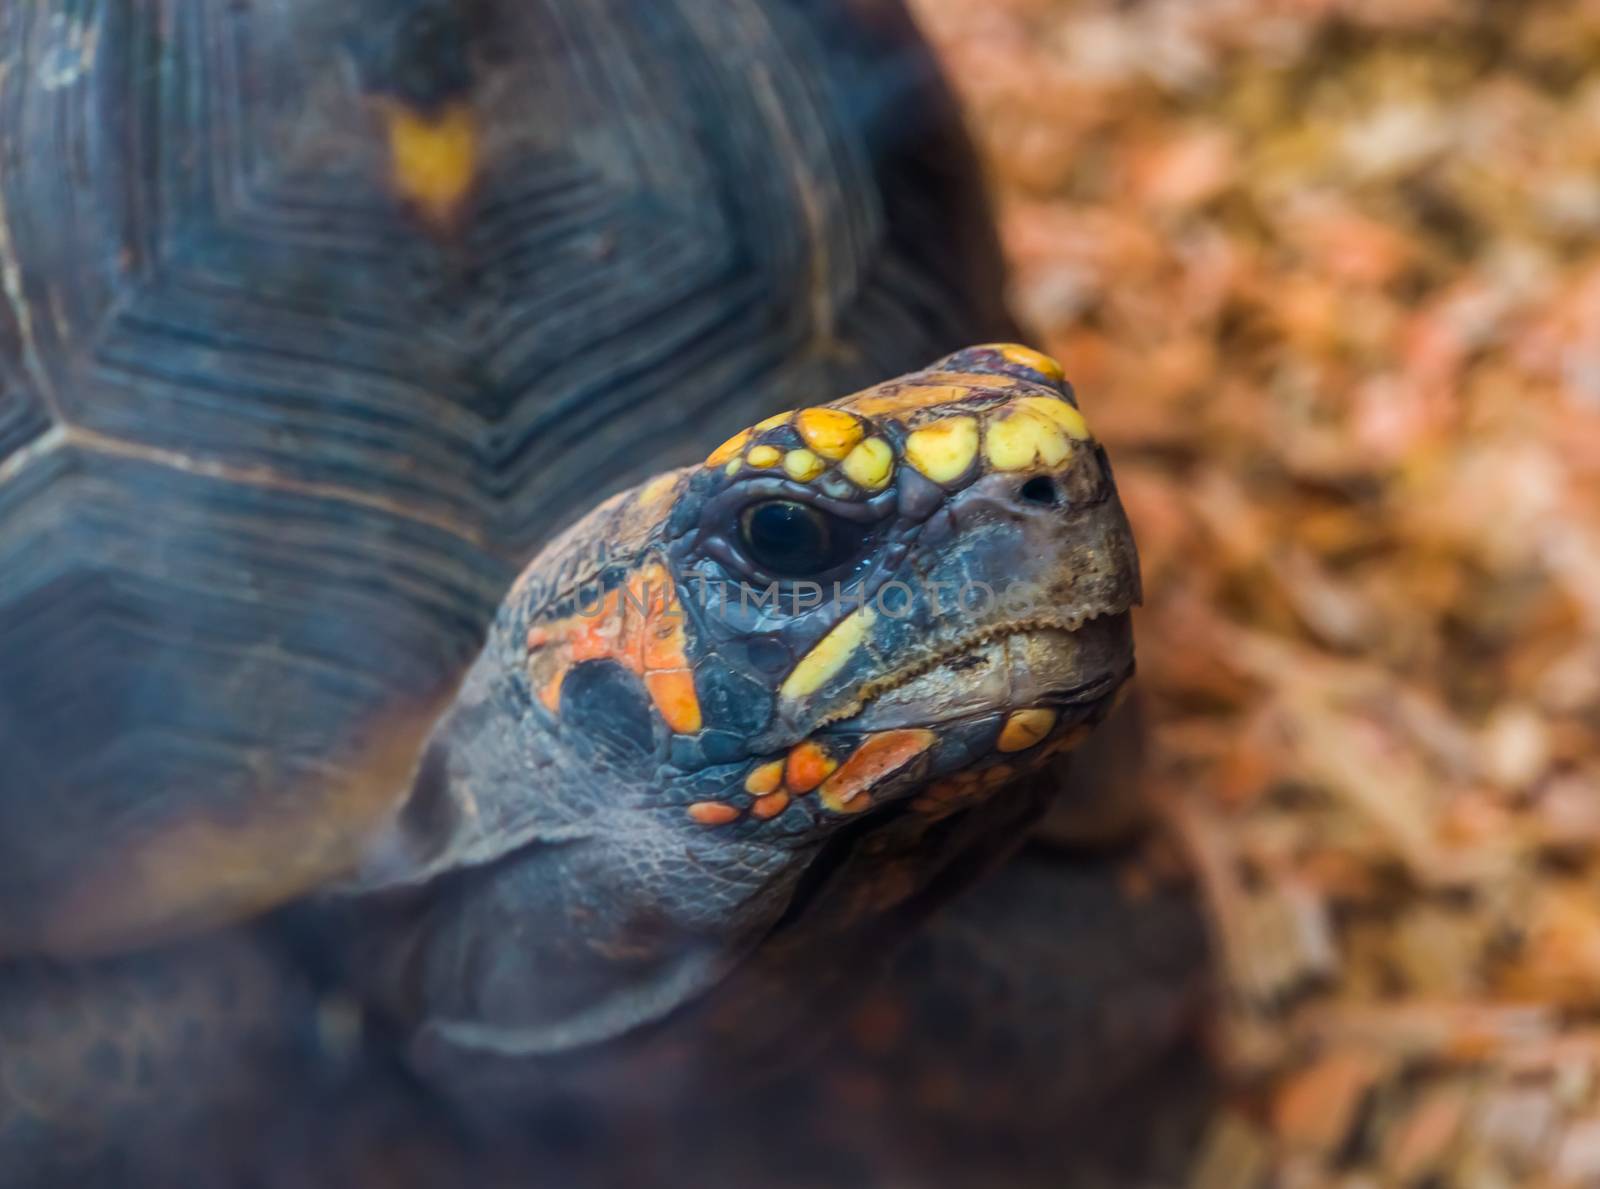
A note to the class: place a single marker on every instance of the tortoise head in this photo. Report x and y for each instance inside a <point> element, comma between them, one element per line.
<point>858,618</point>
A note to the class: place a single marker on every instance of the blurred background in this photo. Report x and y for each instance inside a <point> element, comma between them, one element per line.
<point>1326,274</point>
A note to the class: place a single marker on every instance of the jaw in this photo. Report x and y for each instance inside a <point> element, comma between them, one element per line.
<point>1071,671</point>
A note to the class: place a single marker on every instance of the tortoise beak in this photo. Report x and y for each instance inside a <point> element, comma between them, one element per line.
<point>1072,671</point>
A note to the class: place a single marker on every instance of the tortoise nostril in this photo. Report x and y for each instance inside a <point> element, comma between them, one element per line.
<point>1040,490</point>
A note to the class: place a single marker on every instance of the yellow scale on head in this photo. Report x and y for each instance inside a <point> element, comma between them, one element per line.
<point>803,465</point>
<point>944,450</point>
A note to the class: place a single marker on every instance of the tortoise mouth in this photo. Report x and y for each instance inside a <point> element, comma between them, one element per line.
<point>1032,664</point>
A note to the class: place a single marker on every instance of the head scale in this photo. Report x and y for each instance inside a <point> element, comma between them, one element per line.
<point>877,611</point>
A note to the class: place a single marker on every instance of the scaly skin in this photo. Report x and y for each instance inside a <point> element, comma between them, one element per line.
<point>666,732</point>
<point>665,842</point>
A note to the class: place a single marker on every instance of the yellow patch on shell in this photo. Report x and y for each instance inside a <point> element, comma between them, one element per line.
<point>1059,411</point>
<point>832,433</point>
<point>944,450</point>
<point>830,655</point>
<point>732,448</point>
<point>803,465</point>
<point>1021,438</point>
<point>1029,358</point>
<point>434,158</point>
<point>733,468</point>
<point>1026,728</point>
<point>764,456</point>
<point>773,421</point>
<point>869,465</point>
<point>765,779</point>
<point>713,813</point>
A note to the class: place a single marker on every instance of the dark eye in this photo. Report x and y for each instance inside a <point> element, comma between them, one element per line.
<point>795,540</point>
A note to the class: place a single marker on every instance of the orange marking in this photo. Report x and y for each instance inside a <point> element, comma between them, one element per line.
<point>809,765</point>
<point>551,694</point>
<point>730,449</point>
<point>641,628</point>
<point>1027,357</point>
<point>664,637</point>
<point>832,433</point>
<point>674,696</point>
<point>873,403</point>
<point>713,813</point>
<point>848,789</point>
<point>764,779</point>
<point>972,379</point>
<point>434,158</point>
<point>770,806</point>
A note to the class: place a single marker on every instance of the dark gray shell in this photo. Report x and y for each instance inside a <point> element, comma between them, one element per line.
<point>272,443</point>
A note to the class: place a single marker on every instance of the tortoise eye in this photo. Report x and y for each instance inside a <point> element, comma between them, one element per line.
<point>793,540</point>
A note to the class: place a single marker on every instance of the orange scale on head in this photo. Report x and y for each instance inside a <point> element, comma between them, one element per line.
<point>906,399</point>
<point>880,756</point>
<point>769,806</point>
<point>765,779</point>
<point>674,695</point>
<point>807,767</point>
<point>550,695</point>
<point>713,813</point>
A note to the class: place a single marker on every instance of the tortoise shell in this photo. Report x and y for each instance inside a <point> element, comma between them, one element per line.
<point>317,316</point>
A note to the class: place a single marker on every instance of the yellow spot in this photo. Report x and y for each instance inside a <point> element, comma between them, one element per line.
<point>769,806</point>
<point>803,465</point>
<point>1026,728</point>
<point>729,449</point>
<point>773,421</point>
<point>832,433</point>
<point>1014,442</point>
<point>830,655</point>
<point>944,450</point>
<point>764,456</point>
<point>733,468</point>
<point>808,766</point>
<point>713,813</point>
<point>674,696</point>
<point>870,464</point>
<point>1068,418</point>
<point>1029,358</point>
<point>435,158</point>
<point>764,779</point>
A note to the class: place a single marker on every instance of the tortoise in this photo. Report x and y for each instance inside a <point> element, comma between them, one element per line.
<point>321,318</point>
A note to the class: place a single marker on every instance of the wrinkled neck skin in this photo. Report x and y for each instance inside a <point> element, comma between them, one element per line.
<point>563,909</point>
<point>656,800</point>
<point>544,830</point>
